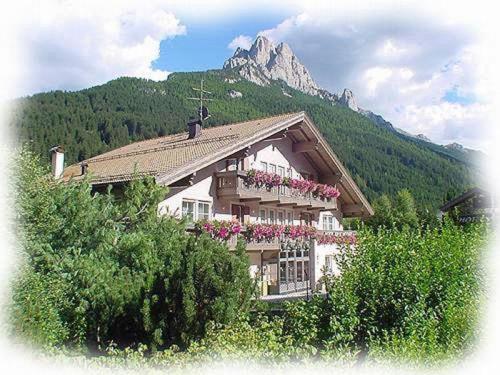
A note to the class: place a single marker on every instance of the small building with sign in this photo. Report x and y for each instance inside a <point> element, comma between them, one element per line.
<point>471,206</point>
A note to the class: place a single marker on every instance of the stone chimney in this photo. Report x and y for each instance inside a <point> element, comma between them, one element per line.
<point>57,156</point>
<point>194,128</point>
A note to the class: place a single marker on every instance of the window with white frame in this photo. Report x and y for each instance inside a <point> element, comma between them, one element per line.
<point>272,218</point>
<point>195,210</point>
<point>263,166</point>
<point>281,218</point>
<point>262,216</point>
<point>203,211</point>
<point>272,168</point>
<point>290,217</point>
<point>188,209</point>
<point>328,222</point>
<point>329,263</point>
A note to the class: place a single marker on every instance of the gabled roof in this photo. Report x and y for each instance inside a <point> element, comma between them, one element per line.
<point>462,198</point>
<point>174,157</point>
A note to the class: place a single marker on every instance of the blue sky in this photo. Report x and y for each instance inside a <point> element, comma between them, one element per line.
<point>454,96</point>
<point>204,46</point>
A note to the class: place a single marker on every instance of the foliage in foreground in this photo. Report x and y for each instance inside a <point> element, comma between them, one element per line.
<point>404,295</point>
<point>109,274</point>
<point>97,269</point>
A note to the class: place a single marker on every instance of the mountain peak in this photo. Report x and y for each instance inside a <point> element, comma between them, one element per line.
<point>347,99</point>
<point>265,61</point>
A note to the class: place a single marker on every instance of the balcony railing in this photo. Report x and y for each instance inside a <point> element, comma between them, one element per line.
<point>254,245</point>
<point>232,185</point>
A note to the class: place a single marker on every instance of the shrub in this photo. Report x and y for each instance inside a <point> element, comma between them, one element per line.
<point>103,268</point>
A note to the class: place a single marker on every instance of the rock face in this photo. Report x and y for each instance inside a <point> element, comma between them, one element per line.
<point>455,146</point>
<point>235,94</point>
<point>377,119</point>
<point>264,62</point>
<point>423,137</point>
<point>347,99</point>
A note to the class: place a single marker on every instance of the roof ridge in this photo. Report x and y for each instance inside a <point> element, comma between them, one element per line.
<point>178,135</point>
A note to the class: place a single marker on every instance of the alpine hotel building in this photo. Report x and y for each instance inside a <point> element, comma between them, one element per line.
<point>270,176</point>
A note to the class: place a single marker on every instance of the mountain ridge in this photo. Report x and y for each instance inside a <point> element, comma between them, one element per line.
<point>264,62</point>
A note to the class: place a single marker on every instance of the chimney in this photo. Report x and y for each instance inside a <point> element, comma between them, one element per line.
<point>84,165</point>
<point>57,156</point>
<point>194,128</point>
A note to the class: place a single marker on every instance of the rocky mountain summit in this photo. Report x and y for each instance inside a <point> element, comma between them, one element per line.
<point>265,62</point>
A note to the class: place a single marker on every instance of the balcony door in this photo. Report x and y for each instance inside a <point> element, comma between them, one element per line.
<point>239,211</point>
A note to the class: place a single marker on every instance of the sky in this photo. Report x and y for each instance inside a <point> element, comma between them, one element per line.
<point>420,67</point>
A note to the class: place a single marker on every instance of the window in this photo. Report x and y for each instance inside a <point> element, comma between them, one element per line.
<point>231,164</point>
<point>272,219</point>
<point>188,210</point>
<point>195,210</point>
<point>281,219</point>
<point>272,168</point>
<point>290,173</point>
<point>263,166</point>
<point>306,270</point>
<point>262,216</point>
<point>329,263</point>
<point>203,211</point>
<point>299,271</point>
<point>283,272</point>
<point>290,217</point>
<point>327,222</point>
<point>291,271</point>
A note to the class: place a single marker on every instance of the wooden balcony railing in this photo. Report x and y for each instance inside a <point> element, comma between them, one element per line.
<point>232,185</point>
<point>253,245</point>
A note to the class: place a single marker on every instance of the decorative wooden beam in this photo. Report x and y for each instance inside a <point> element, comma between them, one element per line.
<point>269,202</point>
<point>277,136</point>
<point>256,199</point>
<point>305,146</point>
<point>302,206</point>
<point>352,208</point>
<point>294,131</point>
<point>243,153</point>
<point>331,179</point>
<point>185,182</point>
<point>286,204</point>
<point>337,178</point>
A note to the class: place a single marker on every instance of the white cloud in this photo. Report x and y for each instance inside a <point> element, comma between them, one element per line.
<point>389,49</point>
<point>400,65</point>
<point>242,41</point>
<point>72,45</point>
<point>376,76</point>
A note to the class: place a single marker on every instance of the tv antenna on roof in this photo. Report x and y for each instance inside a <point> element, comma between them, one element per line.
<point>202,110</point>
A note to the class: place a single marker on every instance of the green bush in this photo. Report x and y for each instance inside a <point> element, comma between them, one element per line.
<point>106,268</point>
<point>414,291</point>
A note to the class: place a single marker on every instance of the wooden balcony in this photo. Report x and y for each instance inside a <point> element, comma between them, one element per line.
<point>232,185</point>
<point>271,245</point>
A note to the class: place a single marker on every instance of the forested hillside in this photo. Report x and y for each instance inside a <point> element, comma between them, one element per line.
<point>91,121</point>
